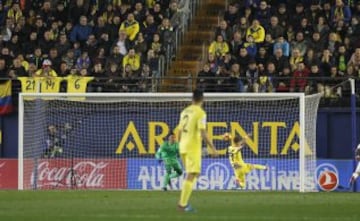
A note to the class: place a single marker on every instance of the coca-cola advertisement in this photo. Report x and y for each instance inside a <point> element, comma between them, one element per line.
<point>8,173</point>
<point>75,174</point>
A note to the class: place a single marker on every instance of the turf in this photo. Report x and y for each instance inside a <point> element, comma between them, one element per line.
<point>161,206</point>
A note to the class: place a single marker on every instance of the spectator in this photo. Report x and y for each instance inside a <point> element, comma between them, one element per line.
<point>275,30</point>
<point>342,58</point>
<point>298,15</point>
<point>115,57</point>
<point>295,58</point>
<point>123,43</point>
<point>257,31</point>
<point>156,45</point>
<point>213,63</point>
<point>36,57</point>
<point>236,83</point>
<point>153,61</point>
<point>231,15</point>
<point>174,15</point>
<point>283,83</point>
<point>315,84</point>
<point>282,15</point>
<point>219,47</point>
<point>18,69</point>
<point>300,43</point>
<point>14,12</point>
<point>263,13</point>
<point>333,42</point>
<point>69,58</point>
<point>250,46</point>
<point>167,35</point>
<point>282,44</point>
<point>81,31</point>
<point>317,44</point>
<point>140,45</point>
<point>322,28</point>
<point>130,26</point>
<point>262,56</point>
<point>205,79</point>
<point>145,80</point>
<point>266,78</point>
<point>46,70</point>
<point>139,12</point>
<point>310,58</point>
<point>279,60</point>
<point>340,12</point>
<point>243,59</point>
<point>55,59</point>
<point>224,30</point>
<point>64,69</point>
<point>84,61</point>
<point>63,44</point>
<point>326,61</point>
<point>241,27</point>
<point>355,60</point>
<point>299,79</point>
<point>235,43</point>
<point>305,28</point>
<point>252,77</point>
<point>149,28</point>
<point>133,60</point>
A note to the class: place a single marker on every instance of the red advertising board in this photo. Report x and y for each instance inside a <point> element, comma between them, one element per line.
<point>8,174</point>
<point>66,173</point>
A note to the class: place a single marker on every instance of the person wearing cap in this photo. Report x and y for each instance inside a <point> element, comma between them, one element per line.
<point>46,70</point>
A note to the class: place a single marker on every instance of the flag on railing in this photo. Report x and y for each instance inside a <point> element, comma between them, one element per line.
<point>5,97</point>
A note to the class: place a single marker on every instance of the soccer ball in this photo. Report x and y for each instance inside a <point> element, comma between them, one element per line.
<point>226,136</point>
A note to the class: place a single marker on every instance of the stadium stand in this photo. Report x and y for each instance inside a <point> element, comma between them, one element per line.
<point>173,45</point>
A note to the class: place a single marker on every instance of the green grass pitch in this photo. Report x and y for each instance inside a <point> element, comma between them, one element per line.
<point>161,206</point>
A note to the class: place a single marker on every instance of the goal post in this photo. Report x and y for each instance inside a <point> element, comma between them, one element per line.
<point>108,140</point>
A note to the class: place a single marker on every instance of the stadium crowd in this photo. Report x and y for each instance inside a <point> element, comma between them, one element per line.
<point>113,44</point>
<point>284,46</point>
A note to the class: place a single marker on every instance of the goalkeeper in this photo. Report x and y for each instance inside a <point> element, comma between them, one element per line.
<point>240,167</point>
<point>169,153</point>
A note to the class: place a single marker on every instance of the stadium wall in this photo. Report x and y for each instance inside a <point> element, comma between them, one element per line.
<point>333,134</point>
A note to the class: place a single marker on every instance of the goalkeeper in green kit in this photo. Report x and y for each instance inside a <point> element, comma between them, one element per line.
<point>169,154</point>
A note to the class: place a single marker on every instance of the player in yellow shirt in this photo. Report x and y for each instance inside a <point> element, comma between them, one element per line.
<point>192,129</point>
<point>239,166</point>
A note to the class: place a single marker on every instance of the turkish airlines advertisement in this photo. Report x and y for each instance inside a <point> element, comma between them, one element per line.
<point>147,174</point>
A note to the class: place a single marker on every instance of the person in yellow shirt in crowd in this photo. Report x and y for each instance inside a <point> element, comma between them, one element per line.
<point>131,26</point>
<point>257,31</point>
<point>46,70</point>
<point>219,47</point>
<point>77,83</point>
<point>15,12</point>
<point>295,58</point>
<point>132,59</point>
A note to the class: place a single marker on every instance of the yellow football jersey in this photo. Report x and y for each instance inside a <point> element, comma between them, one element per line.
<point>77,84</point>
<point>30,84</point>
<point>50,84</point>
<point>192,120</point>
<point>235,156</point>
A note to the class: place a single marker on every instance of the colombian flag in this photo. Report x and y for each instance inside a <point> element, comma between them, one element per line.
<point>5,98</point>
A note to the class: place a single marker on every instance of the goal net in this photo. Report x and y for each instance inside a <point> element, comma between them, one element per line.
<point>108,141</point>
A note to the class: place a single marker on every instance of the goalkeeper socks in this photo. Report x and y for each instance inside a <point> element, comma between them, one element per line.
<point>186,191</point>
<point>166,180</point>
<point>259,167</point>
